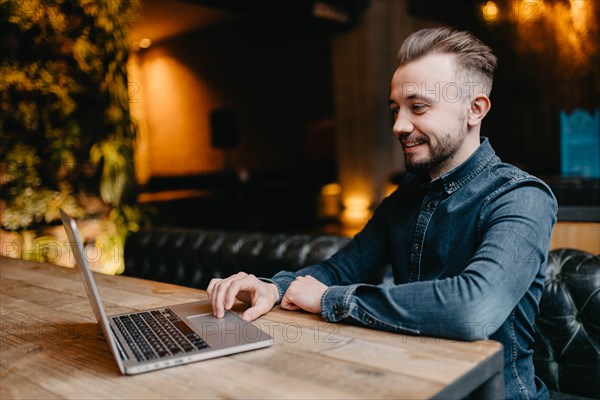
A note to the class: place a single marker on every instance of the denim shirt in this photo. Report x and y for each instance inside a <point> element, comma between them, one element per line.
<point>468,252</point>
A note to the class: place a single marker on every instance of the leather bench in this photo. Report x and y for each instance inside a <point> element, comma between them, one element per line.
<point>567,345</point>
<point>192,257</point>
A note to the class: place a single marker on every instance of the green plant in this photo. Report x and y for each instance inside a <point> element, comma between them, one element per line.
<point>65,127</point>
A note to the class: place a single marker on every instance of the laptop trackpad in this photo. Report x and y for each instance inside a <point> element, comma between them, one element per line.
<point>227,331</point>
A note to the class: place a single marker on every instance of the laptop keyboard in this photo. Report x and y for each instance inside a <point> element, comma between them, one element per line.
<point>158,334</point>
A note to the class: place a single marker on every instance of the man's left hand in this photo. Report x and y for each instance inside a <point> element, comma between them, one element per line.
<point>304,293</point>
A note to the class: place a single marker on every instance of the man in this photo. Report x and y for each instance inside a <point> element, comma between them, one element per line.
<point>466,235</point>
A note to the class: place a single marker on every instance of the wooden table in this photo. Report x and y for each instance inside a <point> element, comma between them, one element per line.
<point>51,348</point>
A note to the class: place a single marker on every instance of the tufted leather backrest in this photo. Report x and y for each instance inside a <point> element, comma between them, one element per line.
<point>567,346</point>
<point>192,257</point>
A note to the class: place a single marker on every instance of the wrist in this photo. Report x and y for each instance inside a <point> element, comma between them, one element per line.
<point>277,292</point>
<point>274,290</point>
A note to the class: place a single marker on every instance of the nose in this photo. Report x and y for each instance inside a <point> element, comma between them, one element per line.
<point>402,124</point>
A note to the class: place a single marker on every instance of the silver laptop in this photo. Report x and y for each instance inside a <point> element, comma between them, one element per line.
<point>157,338</point>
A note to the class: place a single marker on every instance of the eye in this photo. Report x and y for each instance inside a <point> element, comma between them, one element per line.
<point>419,107</point>
<point>395,111</point>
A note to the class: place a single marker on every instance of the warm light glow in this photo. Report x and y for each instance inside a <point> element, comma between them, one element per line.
<point>572,25</point>
<point>356,203</point>
<point>331,189</point>
<point>579,27</point>
<point>330,203</point>
<point>490,11</point>
<point>145,43</point>
<point>390,188</point>
<point>138,113</point>
<point>357,214</point>
<point>176,105</point>
<point>356,210</point>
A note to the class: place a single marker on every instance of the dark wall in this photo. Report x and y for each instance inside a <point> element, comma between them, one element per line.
<point>277,77</point>
<point>538,75</point>
<point>275,80</point>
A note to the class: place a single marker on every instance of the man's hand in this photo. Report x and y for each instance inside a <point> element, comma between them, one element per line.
<point>305,293</point>
<point>262,296</point>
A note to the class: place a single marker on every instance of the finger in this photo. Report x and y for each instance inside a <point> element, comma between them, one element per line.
<point>288,304</point>
<point>259,309</point>
<point>231,294</point>
<point>221,293</point>
<point>211,286</point>
<point>217,296</point>
<point>245,283</point>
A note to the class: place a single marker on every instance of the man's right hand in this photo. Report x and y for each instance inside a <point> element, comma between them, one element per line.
<point>262,296</point>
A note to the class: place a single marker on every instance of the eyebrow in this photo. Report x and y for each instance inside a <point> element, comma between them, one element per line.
<point>417,96</point>
<point>413,96</point>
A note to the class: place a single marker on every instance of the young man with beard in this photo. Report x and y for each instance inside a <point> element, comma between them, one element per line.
<point>466,235</point>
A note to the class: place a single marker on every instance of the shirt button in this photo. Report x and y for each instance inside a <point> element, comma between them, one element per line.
<point>430,205</point>
<point>417,246</point>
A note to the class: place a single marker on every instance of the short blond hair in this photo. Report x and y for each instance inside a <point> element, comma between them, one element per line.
<point>475,60</point>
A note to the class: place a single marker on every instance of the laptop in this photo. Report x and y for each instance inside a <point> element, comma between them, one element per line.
<point>148,340</point>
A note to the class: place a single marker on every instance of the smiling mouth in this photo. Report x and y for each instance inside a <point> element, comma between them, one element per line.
<point>410,144</point>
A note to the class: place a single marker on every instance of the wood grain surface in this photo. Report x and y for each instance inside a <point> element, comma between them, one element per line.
<point>51,347</point>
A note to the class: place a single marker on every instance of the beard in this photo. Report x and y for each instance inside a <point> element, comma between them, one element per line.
<point>440,154</point>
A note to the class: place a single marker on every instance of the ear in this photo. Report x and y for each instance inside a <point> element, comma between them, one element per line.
<point>478,109</point>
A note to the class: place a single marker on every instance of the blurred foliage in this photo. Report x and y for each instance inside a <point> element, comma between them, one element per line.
<point>65,127</point>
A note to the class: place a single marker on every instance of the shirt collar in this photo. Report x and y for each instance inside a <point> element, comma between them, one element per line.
<point>459,176</point>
